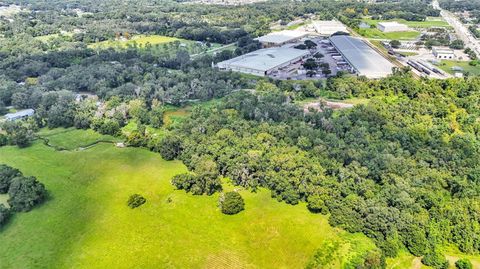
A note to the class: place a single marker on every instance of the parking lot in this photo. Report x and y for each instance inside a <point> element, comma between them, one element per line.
<point>331,56</point>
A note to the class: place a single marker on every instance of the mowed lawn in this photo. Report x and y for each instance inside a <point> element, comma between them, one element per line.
<point>377,34</point>
<point>467,68</point>
<point>86,223</point>
<point>428,23</point>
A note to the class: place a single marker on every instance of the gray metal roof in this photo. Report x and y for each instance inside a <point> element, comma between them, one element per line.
<point>20,114</point>
<point>264,59</point>
<point>282,36</point>
<point>362,57</point>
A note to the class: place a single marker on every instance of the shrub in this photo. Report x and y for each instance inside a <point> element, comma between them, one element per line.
<point>434,259</point>
<point>25,193</point>
<point>316,204</point>
<point>4,214</point>
<point>136,200</point>
<point>232,203</point>
<point>463,264</point>
<point>197,185</point>
<point>170,147</point>
<point>7,173</point>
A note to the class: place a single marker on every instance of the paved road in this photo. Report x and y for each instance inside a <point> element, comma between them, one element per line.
<point>461,30</point>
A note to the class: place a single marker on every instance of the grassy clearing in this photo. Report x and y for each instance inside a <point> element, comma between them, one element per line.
<point>447,67</point>
<point>375,33</point>
<point>405,260</point>
<point>72,138</point>
<point>86,223</point>
<point>160,45</point>
<point>430,22</point>
<point>138,40</point>
<point>3,199</point>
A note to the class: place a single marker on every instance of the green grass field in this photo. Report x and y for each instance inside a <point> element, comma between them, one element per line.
<point>430,22</point>
<point>375,33</point>
<point>86,224</point>
<point>160,45</point>
<point>139,40</point>
<point>447,67</point>
<point>408,35</point>
<point>72,138</point>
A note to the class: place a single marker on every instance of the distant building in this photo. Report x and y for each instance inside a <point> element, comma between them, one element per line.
<point>443,53</point>
<point>19,115</point>
<point>392,26</point>
<point>329,27</point>
<point>364,60</point>
<point>277,39</point>
<point>264,61</point>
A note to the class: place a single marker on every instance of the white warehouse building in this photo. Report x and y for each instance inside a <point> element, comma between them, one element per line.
<point>329,27</point>
<point>361,57</point>
<point>264,61</point>
<point>443,53</point>
<point>392,26</point>
<point>277,39</point>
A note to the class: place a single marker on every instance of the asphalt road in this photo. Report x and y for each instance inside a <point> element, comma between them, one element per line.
<point>461,30</point>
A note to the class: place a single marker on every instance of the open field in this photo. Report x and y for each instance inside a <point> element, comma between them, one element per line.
<point>406,260</point>
<point>139,40</point>
<point>447,67</point>
<point>430,22</point>
<point>375,33</point>
<point>159,44</point>
<point>86,224</point>
<point>72,138</point>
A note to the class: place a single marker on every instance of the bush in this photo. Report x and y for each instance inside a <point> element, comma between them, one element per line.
<point>197,185</point>
<point>316,204</point>
<point>136,200</point>
<point>463,264</point>
<point>434,259</point>
<point>25,193</point>
<point>232,203</point>
<point>170,147</point>
<point>4,214</point>
<point>7,173</point>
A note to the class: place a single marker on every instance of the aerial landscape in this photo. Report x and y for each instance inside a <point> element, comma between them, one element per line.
<point>240,134</point>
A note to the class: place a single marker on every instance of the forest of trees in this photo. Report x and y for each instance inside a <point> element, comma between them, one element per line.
<point>402,169</point>
<point>24,193</point>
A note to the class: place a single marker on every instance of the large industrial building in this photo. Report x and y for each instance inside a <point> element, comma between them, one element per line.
<point>329,27</point>
<point>361,57</point>
<point>264,61</point>
<point>392,26</point>
<point>277,39</point>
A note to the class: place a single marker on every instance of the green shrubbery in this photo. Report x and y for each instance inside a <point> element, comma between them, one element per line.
<point>463,264</point>
<point>4,214</point>
<point>136,200</point>
<point>232,203</point>
<point>24,192</point>
<point>204,180</point>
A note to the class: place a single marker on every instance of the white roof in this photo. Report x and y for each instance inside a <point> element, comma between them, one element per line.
<point>443,50</point>
<point>281,37</point>
<point>329,27</point>
<point>264,59</point>
<point>390,23</point>
<point>362,57</point>
<point>20,114</point>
